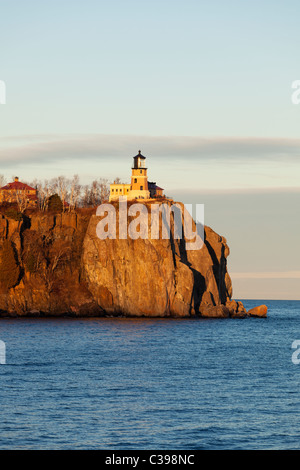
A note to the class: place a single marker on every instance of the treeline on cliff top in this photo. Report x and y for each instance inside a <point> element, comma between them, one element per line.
<point>62,194</point>
<point>58,194</point>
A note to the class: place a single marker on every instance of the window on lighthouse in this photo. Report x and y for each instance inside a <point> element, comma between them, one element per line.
<point>141,163</point>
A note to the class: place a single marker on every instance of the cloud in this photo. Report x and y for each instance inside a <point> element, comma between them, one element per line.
<point>267,275</point>
<point>41,149</point>
<point>237,190</point>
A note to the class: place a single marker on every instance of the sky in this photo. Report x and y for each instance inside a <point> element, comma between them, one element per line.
<point>202,88</point>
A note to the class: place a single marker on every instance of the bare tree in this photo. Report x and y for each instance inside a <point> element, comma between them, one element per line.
<point>60,253</point>
<point>85,199</point>
<point>104,190</point>
<point>44,191</point>
<point>22,199</point>
<point>75,191</point>
<point>60,256</point>
<point>95,193</point>
<point>60,186</point>
<point>2,181</point>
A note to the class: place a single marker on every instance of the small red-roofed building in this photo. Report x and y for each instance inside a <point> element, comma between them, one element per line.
<point>12,193</point>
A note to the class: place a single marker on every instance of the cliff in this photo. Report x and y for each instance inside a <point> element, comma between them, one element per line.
<point>61,267</point>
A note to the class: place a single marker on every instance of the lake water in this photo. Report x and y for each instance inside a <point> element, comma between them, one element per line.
<point>152,384</point>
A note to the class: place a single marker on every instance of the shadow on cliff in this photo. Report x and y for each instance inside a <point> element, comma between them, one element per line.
<point>199,284</point>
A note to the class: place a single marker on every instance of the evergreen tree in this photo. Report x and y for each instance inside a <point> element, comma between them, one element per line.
<point>55,203</point>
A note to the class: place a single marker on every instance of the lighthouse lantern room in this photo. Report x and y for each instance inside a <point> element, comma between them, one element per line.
<point>139,162</point>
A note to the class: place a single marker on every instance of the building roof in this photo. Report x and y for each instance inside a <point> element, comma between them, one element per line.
<point>140,155</point>
<point>17,185</point>
<point>153,185</point>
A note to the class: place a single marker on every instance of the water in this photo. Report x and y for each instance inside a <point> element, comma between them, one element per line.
<point>151,384</point>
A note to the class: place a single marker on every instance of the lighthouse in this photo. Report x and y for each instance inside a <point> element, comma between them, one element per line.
<point>139,178</point>
<point>139,188</point>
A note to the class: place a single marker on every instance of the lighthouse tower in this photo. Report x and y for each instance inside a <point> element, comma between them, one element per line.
<point>139,179</point>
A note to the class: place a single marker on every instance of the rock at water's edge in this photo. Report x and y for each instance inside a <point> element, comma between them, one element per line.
<point>260,311</point>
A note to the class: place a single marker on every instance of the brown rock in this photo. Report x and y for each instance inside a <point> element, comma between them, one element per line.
<point>260,311</point>
<point>236,309</point>
<point>218,311</point>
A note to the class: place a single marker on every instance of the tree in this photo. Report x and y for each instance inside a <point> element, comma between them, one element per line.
<point>104,190</point>
<point>75,190</point>
<point>44,191</point>
<point>60,186</point>
<point>96,193</point>
<point>9,268</point>
<point>22,200</point>
<point>2,181</point>
<point>55,203</point>
<point>61,253</point>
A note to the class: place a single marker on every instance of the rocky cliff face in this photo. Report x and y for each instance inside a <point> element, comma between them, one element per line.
<point>159,277</point>
<point>48,251</point>
<point>66,269</point>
